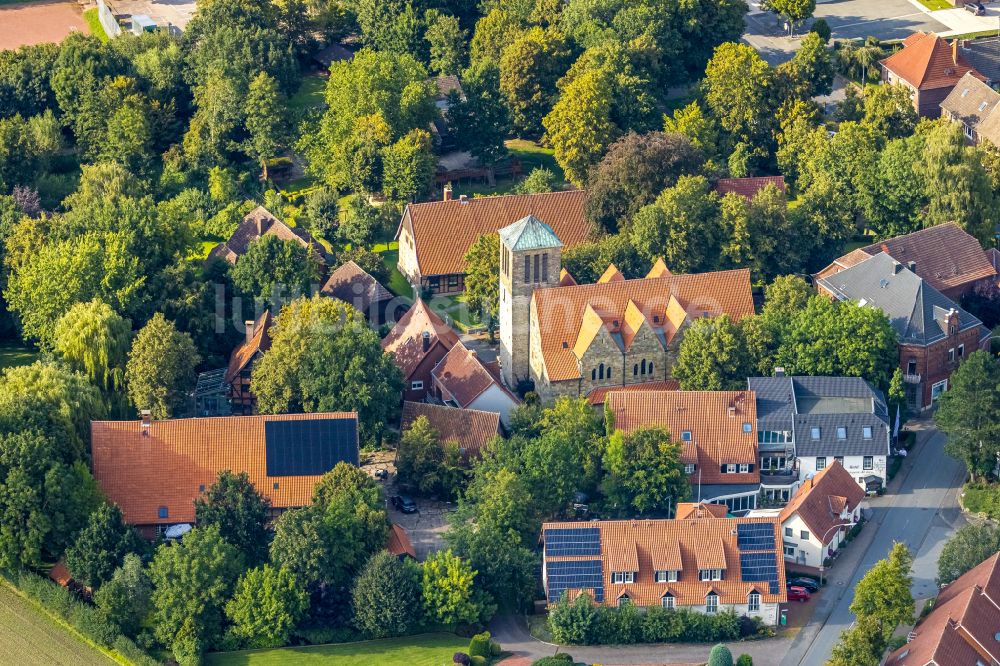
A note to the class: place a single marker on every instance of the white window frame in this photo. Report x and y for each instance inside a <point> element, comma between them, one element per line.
<point>868,463</point>
<point>790,554</point>
<point>753,601</point>
<point>668,602</point>
<point>820,463</point>
<point>937,388</point>
<point>705,575</point>
<point>841,432</point>
<point>730,468</point>
<point>961,351</point>
<point>685,435</point>
<point>744,468</point>
<point>689,468</point>
<point>416,386</point>
<point>660,577</point>
<point>624,600</point>
<point>804,535</point>
<point>951,354</point>
<point>622,577</point>
<point>711,603</point>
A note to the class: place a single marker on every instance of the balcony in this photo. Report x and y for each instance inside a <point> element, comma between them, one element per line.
<point>779,477</point>
<point>911,379</point>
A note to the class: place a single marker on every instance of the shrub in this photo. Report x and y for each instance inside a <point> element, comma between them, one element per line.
<point>720,656</point>
<point>821,28</point>
<point>580,622</point>
<point>744,660</point>
<point>461,658</point>
<point>560,659</point>
<point>477,660</point>
<point>482,645</point>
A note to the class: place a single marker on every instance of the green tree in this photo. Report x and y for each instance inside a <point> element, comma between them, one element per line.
<point>538,181</point>
<point>644,471</point>
<point>587,261</point>
<point>241,513</point>
<point>700,129</point>
<point>635,170</point>
<point>793,10</point>
<point>191,582</point>
<point>361,223</point>
<point>530,65</point>
<point>506,566</point>
<point>574,622</point>
<point>323,209</point>
<point>738,87</point>
<point>969,413</point>
<point>762,236</point>
<point>580,126</point>
<point>408,166</point>
<point>265,109</point>
<point>160,368</point>
<point>449,596</point>
<point>323,357</point>
<point>713,356</point>
<point>894,198</point>
<point>682,226</point>
<point>100,547</point>
<point>482,280</point>
<point>272,265</point>
<point>386,596</point>
<point>266,607</point>
<point>125,599</point>
<point>481,121</point>
<point>720,656</point>
<point>889,110</point>
<point>426,463</point>
<point>884,592</point>
<point>861,645</point>
<point>447,42</point>
<point>971,545</point>
<point>811,68</point>
<point>94,340</point>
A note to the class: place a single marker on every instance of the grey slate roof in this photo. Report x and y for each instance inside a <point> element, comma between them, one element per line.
<point>916,310</point>
<point>800,403</point>
<point>976,105</point>
<point>529,233</point>
<point>984,55</point>
<point>711,492</point>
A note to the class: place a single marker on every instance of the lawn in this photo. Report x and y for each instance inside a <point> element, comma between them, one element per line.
<point>310,94</point>
<point>13,355</point>
<point>30,638</point>
<point>531,156</point>
<point>935,5</point>
<point>94,23</point>
<point>398,284</point>
<point>424,650</point>
<point>982,498</point>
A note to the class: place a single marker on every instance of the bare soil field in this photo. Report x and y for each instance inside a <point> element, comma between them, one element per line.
<point>23,24</point>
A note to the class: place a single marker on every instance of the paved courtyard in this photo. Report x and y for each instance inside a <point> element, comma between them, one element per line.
<point>39,23</point>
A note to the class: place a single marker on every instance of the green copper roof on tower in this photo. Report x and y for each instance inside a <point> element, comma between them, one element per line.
<point>529,233</point>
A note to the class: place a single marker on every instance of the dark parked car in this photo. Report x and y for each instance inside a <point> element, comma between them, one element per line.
<point>798,593</point>
<point>975,8</point>
<point>811,585</point>
<point>404,504</point>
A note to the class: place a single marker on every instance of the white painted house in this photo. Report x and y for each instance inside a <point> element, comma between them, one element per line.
<point>462,379</point>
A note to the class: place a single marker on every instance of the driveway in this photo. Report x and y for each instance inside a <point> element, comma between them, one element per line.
<point>922,511</point>
<point>512,634</point>
<point>426,527</point>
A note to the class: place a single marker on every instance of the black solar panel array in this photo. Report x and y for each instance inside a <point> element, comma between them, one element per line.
<point>574,575</point>
<point>573,541</point>
<point>755,536</point>
<point>760,567</point>
<point>309,447</point>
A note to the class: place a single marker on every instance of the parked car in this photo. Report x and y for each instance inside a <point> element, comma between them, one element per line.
<point>809,584</point>
<point>404,504</point>
<point>796,593</point>
<point>381,474</point>
<point>975,8</point>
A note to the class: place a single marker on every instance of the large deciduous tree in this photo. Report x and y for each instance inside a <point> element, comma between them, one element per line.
<point>644,472</point>
<point>267,605</point>
<point>971,545</point>
<point>969,413</point>
<point>273,268</point>
<point>323,357</point>
<point>386,596</point>
<point>265,110</point>
<point>100,547</point>
<point>482,280</point>
<point>739,89</point>
<point>94,340</point>
<point>682,226</point>
<point>428,464</point>
<point>713,356</point>
<point>125,598</point>
<point>449,593</point>
<point>160,368</point>
<point>241,513</point>
<point>530,66</point>
<point>884,592</point>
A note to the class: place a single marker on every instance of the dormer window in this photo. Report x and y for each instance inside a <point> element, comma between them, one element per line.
<point>668,576</point>
<point>709,574</point>
<point>623,577</point>
<point>668,601</point>
<point>753,601</point>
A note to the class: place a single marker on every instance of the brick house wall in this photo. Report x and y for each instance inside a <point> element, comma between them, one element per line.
<point>934,363</point>
<point>422,373</point>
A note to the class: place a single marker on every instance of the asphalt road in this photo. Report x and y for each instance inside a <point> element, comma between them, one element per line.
<point>923,513</point>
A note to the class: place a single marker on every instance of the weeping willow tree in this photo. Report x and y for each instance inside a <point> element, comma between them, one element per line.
<point>94,340</point>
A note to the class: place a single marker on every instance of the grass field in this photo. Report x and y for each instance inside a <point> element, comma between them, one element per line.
<point>310,94</point>
<point>13,355</point>
<point>94,23</point>
<point>934,5</point>
<point>29,638</point>
<point>425,650</point>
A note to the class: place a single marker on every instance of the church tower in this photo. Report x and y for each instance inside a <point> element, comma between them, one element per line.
<point>530,258</point>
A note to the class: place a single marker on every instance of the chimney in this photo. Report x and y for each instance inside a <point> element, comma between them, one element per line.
<point>426,341</point>
<point>954,51</point>
<point>731,410</point>
<point>250,324</point>
<point>897,268</point>
<point>463,199</point>
<point>447,192</point>
<point>912,265</point>
<point>147,422</point>
<point>779,371</point>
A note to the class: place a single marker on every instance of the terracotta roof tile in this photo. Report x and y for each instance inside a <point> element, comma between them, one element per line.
<point>611,274</point>
<point>443,231</point>
<point>748,188</point>
<point>471,429</point>
<point>60,574</point>
<point>599,395</point>
<point>821,500</point>
<point>715,419</point>
<point>464,376</point>
<point>565,279</point>
<point>259,341</point>
<point>142,473</point>
<point>568,314</point>
<point>398,542</point>
<point>701,510</point>
<point>927,62</point>
<point>354,285</point>
<point>406,339</point>
<point>659,269</point>
<point>643,546</point>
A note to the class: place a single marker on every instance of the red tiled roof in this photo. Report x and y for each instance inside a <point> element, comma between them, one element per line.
<point>471,429</point>
<point>354,285</point>
<point>701,510</point>
<point>60,574</point>
<point>715,420</point>
<point>260,341</point>
<point>561,312</point>
<point>166,468</point>
<point>644,546</point>
<point>599,395</point>
<point>399,543</point>
<point>406,339</point>
<point>464,376</point>
<point>748,187</point>
<point>821,500</point>
<point>962,627</point>
<point>927,62</point>
<point>443,231</point>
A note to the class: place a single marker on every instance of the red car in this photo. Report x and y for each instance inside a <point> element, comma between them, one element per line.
<point>798,593</point>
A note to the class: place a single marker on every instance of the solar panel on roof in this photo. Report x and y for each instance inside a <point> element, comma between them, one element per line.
<point>760,567</point>
<point>755,536</point>
<point>573,541</point>
<point>574,575</point>
<point>309,447</point>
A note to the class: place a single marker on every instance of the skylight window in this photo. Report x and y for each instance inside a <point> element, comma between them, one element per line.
<point>866,432</point>
<point>982,107</point>
<point>841,432</point>
<point>814,433</point>
<point>965,92</point>
<point>686,436</point>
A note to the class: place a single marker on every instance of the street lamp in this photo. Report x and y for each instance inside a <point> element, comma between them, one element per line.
<point>822,544</point>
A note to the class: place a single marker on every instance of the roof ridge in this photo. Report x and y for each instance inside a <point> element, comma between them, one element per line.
<point>493,196</point>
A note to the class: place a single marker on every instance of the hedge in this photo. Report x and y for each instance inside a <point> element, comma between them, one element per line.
<point>982,498</point>
<point>80,615</point>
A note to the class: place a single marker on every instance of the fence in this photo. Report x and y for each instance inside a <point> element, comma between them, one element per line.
<point>108,20</point>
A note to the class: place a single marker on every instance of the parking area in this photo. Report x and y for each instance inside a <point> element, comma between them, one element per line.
<point>39,23</point>
<point>884,19</point>
<point>173,15</point>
